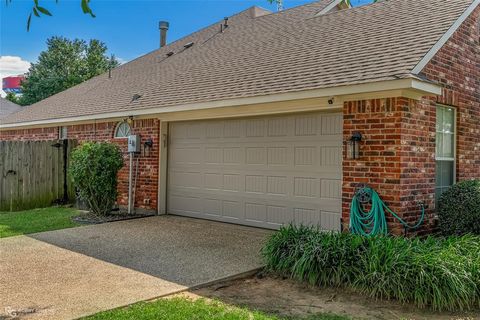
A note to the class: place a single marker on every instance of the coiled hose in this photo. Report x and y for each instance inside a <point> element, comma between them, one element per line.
<point>374,222</point>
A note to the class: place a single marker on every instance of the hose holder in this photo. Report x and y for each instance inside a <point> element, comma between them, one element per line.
<point>363,193</point>
<point>374,222</point>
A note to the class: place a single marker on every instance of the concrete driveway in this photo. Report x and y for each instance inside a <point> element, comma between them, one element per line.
<point>70,273</point>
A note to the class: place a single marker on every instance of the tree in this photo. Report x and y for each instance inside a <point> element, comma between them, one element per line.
<point>38,10</point>
<point>64,64</point>
<point>12,97</point>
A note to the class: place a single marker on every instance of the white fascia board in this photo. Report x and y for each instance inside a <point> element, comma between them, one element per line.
<point>328,8</point>
<point>433,51</point>
<point>429,87</point>
<point>426,88</point>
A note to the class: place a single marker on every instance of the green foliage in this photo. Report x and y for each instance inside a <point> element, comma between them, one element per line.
<point>12,97</point>
<point>443,274</point>
<point>64,64</point>
<point>36,220</point>
<point>183,308</point>
<point>93,169</point>
<point>38,10</point>
<point>459,209</point>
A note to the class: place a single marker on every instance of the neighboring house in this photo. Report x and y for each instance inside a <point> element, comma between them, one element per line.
<point>251,122</point>
<point>7,107</point>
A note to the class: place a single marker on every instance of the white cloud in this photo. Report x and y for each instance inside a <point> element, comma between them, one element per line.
<point>12,66</point>
<point>121,61</point>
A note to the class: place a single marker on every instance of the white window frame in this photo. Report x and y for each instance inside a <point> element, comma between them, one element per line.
<point>118,126</point>
<point>62,133</point>
<point>454,158</point>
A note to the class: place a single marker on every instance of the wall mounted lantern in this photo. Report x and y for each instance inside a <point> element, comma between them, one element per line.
<point>354,146</point>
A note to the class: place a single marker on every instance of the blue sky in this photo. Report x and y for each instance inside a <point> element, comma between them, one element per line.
<point>128,27</point>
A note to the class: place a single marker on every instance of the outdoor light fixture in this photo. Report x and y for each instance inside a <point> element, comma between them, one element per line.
<point>354,145</point>
<point>148,143</point>
<point>147,147</point>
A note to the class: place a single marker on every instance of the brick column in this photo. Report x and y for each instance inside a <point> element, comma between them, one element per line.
<point>396,157</point>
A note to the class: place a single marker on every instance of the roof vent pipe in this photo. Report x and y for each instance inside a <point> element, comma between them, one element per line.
<point>163,26</point>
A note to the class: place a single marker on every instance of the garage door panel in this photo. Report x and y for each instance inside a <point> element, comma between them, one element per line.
<point>183,203</point>
<point>328,204</point>
<point>322,173</point>
<point>255,212</point>
<point>258,171</point>
<point>331,140</point>
<point>330,189</point>
<point>330,220</point>
<point>212,207</point>
<point>299,186</point>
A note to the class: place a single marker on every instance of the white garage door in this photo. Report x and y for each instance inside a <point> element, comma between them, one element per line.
<point>261,172</point>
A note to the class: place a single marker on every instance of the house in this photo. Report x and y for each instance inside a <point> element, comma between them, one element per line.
<point>7,107</point>
<point>251,119</point>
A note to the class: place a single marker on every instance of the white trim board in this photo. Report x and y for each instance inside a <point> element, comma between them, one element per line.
<point>411,84</point>
<point>437,46</point>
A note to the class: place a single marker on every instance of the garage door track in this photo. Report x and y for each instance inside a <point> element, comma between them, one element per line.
<point>69,273</point>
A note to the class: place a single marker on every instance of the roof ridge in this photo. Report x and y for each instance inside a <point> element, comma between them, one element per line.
<point>357,8</point>
<point>315,2</point>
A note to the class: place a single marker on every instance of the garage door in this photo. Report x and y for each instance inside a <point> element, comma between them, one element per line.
<point>261,172</point>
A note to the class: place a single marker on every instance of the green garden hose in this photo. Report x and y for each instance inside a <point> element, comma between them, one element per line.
<point>374,222</point>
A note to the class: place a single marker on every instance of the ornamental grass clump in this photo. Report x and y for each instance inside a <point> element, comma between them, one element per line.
<point>439,273</point>
<point>93,168</point>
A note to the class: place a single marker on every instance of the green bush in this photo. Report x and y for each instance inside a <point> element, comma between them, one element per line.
<point>459,209</point>
<point>93,169</point>
<point>443,274</point>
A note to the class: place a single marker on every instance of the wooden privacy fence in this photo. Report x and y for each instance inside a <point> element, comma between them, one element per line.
<point>33,173</point>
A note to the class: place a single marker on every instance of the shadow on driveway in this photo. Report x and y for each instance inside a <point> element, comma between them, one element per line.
<point>70,273</point>
<point>186,251</point>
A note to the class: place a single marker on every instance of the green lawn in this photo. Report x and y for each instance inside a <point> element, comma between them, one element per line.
<point>183,308</point>
<point>36,220</point>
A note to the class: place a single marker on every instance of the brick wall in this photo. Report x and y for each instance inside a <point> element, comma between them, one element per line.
<point>30,134</point>
<point>147,179</point>
<point>457,67</point>
<point>398,151</point>
<point>396,157</point>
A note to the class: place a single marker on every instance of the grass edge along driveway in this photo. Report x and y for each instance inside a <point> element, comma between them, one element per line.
<point>180,308</point>
<point>36,220</point>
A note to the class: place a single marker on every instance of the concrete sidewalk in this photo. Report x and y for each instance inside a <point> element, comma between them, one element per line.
<point>69,273</point>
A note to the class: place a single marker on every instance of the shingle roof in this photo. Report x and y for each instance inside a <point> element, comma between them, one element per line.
<point>7,107</point>
<point>290,51</point>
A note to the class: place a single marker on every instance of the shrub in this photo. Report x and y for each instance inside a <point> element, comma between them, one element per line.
<point>459,209</point>
<point>306,253</point>
<point>443,274</point>
<point>93,169</point>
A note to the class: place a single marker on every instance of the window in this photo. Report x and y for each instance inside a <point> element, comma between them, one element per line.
<point>444,149</point>
<point>62,133</point>
<point>122,130</point>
